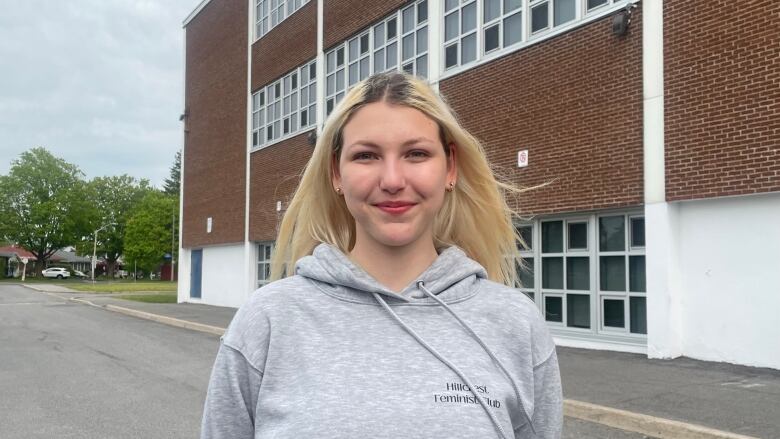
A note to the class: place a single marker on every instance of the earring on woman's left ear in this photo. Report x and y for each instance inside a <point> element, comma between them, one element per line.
<point>450,187</point>
<point>338,190</point>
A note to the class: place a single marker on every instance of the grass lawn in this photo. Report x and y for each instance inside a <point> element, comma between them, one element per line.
<point>151,298</point>
<point>122,287</point>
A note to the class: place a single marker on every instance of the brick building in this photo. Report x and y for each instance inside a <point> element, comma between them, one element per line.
<point>654,125</point>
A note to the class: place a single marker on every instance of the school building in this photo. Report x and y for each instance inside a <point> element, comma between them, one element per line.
<point>654,124</point>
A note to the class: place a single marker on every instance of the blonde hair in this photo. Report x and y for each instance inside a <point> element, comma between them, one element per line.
<point>475,215</point>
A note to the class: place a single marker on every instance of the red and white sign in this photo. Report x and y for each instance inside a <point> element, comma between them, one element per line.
<point>522,158</point>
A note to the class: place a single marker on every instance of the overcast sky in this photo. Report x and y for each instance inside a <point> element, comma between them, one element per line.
<point>96,82</point>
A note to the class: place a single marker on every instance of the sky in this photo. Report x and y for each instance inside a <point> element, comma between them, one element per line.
<point>99,83</point>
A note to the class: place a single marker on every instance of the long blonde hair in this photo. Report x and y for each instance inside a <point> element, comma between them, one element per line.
<point>475,215</point>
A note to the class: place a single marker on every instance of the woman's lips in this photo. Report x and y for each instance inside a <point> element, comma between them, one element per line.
<point>394,208</point>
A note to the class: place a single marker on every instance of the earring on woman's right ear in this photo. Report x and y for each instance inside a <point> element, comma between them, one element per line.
<point>338,190</point>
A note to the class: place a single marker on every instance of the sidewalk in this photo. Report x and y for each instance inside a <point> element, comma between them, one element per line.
<point>657,393</point>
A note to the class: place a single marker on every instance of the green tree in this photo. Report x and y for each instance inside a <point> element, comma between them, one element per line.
<point>43,204</point>
<point>171,185</point>
<point>148,231</point>
<point>115,198</point>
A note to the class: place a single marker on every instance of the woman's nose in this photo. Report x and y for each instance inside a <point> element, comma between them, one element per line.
<point>392,179</point>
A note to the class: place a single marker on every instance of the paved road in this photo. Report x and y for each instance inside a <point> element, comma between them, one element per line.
<point>73,371</point>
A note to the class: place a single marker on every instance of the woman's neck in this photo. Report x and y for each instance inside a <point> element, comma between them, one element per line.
<point>394,267</point>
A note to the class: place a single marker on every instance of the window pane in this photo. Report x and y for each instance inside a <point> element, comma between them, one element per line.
<point>596,3</point>
<point>539,17</point>
<point>364,68</point>
<point>553,309</point>
<point>422,12</point>
<point>491,38</point>
<point>469,20</point>
<point>408,68</point>
<point>408,19</point>
<point>552,273</point>
<point>408,47</point>
<point>331,84</point>
<point>578,236</point>
<point>391,29</point>
<point>578,310</point>
<point>637,232</point>
<point>468,49</point>
<point>636,274</point>
<point>526,273</point>
<point>638,310</point>
<point>340,80</point>
<point>353,74</point>
<point>526,234</point>
<point>304,118</point>
<point>451,26</point>
<point>364,44</point>
<point>379,35</point>
<point>340,57</point>
<point>612,234</point>
<point>328,106</point>
<point>564,11</point>
<point>422,40</point>
<point>451,56</point>
<point>422,66</point>
<point>513,29</point>
<point>612,272</point>
<point>313,71</point>
<point>379,60</point>
<point>614,313</point>
<point>529,294</point>
<point>552,237</point>
<point>491,10</point>
<point>578,273</point>
<point>449,4</point>
<point>511,5</point>
<point>353,50</point>
<point>392,55</point>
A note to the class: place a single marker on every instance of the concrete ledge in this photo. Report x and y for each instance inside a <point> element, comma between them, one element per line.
<point>158,318</point>
<point>644,424</point>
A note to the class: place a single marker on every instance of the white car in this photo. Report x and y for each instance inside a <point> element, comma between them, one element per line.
<point>58,272</point>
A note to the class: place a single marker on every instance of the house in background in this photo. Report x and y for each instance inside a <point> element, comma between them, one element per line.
<point>656,123</point>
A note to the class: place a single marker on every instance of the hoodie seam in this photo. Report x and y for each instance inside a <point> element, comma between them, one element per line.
<point>243,355</point>
<point>476,290</point>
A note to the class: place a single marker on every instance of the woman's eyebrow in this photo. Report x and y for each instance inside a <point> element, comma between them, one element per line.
<point>370,144</point>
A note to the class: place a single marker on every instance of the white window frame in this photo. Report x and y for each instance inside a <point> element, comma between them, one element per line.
<point>275,109</point>
<point>345,74</point>
<point>269,13</point>
<point>582,15</point>
<point>262,262</point>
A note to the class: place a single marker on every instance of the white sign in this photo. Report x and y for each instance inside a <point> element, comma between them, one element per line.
<point>278,206</point>
<point>25,261</point>
<point>522,158</point>
<point>208,225</point>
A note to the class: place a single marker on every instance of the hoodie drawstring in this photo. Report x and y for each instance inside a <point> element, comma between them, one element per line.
<point>454,368</point>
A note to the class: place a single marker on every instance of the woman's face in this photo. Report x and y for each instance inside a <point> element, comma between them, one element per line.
<point>393,172</point>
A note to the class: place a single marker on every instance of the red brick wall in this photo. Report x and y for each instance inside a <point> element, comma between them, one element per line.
<point>722,97</point>
<point>215,139</point>
<point>575,103</point>
<point>342,18</point>
<point>275,173</point>
<point>291,43</point>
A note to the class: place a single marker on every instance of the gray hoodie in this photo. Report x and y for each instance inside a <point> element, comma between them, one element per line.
<point>331,353</point>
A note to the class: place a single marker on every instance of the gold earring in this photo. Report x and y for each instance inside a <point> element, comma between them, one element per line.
<point>451,186</point>
<point>338,190</point>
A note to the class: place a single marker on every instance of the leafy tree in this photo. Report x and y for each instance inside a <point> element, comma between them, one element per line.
<point>115,198</point>
<point>171,186</point>
<point>148,230</point>
<point>43,204</point>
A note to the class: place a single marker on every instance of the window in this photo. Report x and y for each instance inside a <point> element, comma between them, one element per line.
<point>269,13</point>
<point>475,28</point>
<point>587,271</point>
<point>400,41</point>
<point>264,251</point>
<point>285,107</point>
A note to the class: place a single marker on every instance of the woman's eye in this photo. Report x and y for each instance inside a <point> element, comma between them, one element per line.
<point>363,156</point>
<point>418,154</point>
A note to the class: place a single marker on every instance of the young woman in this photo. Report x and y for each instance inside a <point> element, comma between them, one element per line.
<point>397,316</point>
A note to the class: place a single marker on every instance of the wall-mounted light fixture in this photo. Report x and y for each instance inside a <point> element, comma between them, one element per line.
<point>621,21</point>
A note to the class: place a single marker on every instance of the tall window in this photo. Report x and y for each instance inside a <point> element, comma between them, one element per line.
<point>264,251</point>
<point>476,28</point>
<point>587,273</point>
<point>285,107</point>
<point>269,13</point>
<point>400,41</point>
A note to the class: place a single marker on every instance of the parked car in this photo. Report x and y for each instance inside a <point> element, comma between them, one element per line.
<point>58,272</point>
<point>79,274</point>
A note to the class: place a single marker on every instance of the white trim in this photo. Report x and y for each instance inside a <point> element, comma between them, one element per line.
<point>195,12</point>
<point>599,345</point>
<point>320,108</point>
<point>529,41</point>
<point>435,10</point>
<point>181,285</point>
<point>247,188</point>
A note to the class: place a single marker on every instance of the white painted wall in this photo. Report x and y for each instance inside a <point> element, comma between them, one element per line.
<point>222,283</point>
<point>729,256</point>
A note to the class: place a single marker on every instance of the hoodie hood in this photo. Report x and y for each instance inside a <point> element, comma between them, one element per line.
<point>452,277</point>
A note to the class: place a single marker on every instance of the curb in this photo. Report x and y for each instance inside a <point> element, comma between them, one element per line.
<point>648,425</point>
<point>179,323</point>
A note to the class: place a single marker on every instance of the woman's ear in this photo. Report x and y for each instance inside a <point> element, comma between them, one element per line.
<point>335,174</point>
<point>452,163</point>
